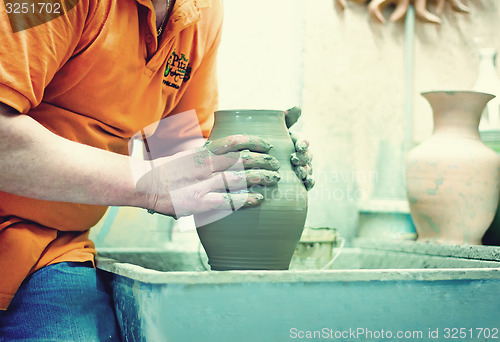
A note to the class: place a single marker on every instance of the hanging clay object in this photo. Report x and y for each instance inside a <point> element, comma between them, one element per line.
<point>262,237</point>
<point>452,177</point>
<point>375,8</point>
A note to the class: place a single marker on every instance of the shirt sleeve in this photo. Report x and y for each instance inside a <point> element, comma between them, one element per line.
<point>202,91</point>
<point>29,58</point>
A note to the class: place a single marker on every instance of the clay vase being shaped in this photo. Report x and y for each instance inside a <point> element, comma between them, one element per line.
<point>452,177</point>
<point>263,237</point>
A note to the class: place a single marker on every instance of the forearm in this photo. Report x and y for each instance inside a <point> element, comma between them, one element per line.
<point>39,164</point>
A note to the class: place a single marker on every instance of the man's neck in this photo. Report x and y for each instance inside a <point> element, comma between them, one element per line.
<point>161,10</point>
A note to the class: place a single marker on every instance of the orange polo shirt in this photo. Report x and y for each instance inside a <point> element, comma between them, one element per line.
<point>97,75</point>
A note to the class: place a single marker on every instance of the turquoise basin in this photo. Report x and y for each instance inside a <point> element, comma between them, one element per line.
<point>374,291</point>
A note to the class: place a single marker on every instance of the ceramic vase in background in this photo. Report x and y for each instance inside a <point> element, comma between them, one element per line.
<point>452,177</point>
<point>262,237</point>
<point>489,126</point>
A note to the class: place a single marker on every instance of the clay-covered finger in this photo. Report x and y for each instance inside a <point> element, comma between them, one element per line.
<point>255,160</point>
<point>232,181</point>
<point>262,177</point>
<point>309,169</point>
<point>224,161</point>
<point>238,142</point>
<point>301,172</point>
<point>191,167</point>
<point>224,201</point>
<point>301,145</point>
<point>301,159</point>
<point>241,180</point>
<point>309,183</point>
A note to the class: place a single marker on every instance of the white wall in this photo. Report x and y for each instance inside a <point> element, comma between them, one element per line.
<point>261,54</point>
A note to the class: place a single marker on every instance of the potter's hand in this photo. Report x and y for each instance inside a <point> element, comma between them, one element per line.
<point>215,176</point>
<point>301,161</point>
<point>301,158</point>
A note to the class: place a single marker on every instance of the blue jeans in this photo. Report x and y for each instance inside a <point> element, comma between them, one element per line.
<point>67,301</point>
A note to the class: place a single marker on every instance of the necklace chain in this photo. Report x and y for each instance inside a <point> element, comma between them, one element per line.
<point>159,31</point>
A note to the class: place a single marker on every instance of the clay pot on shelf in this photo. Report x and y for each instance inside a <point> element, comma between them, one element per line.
<point>263,237</point>
<point>452,177</point>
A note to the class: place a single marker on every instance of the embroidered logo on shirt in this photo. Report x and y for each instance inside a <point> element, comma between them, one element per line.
<point>177,70</point>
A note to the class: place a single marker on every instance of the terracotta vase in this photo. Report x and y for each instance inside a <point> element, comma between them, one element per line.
<point>263,237</point>
<point>452,177</point>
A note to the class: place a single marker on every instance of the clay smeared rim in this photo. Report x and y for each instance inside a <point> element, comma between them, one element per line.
<point>253,111</point>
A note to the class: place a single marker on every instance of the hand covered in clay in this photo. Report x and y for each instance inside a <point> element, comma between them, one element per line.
<point>215,176</point>
<point>301,158</point>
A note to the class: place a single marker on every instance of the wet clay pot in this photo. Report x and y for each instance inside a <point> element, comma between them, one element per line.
<point>452,177</point>
<point>262,237</point>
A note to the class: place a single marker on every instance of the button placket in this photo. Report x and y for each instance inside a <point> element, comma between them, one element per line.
<point>159,58</point>
<point>151,46</point>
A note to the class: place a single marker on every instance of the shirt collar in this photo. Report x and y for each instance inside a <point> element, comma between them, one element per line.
<point>184,14</point>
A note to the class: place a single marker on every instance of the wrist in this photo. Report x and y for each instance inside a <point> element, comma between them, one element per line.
<point>141,190</point>
<point>150,188</point>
